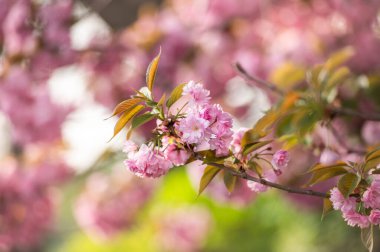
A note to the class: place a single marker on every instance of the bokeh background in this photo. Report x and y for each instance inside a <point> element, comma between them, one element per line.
<point>65,64</point>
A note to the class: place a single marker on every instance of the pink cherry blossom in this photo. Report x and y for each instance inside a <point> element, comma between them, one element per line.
<point>374,217</point>
<point>236,141</point>
<point>192,128</point>
<point>147,162</point>
<point>355,219</point>
<point>371,197</point>
<point>340,203</point>
<point>280,159</point>
<point>198,94</point>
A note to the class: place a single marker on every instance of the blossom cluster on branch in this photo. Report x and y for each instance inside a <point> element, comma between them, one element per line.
<point>189,128</point>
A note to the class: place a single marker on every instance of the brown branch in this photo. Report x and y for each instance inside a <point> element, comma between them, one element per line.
<point>350,112</point>
<point>262,83</point>
<point>244,175</point>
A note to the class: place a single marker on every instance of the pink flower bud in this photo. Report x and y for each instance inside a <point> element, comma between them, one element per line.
<point>280,159</point>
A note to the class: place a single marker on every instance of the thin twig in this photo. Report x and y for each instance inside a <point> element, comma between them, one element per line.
<point>244,175</point>
<point>265,84</point>
<point>350,112</point>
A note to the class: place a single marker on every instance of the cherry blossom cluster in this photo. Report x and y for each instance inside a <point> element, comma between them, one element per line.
<point>190,126</point>
<point>359,210</point>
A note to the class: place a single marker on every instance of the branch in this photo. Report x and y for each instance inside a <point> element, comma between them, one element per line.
<point>265,84</point>
<point>350,112</point>
<point>244,175</point>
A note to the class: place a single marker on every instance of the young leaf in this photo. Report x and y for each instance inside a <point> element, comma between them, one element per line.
<point>337,77</point>
<point>339,58</point>
<point>325,174</point>
<point>250,136</point>
<point>175,95</point>
<point>229,181</point>
<point>151,71</point>
<point>319,166</point>
<point>287,75</point>
<point>327,207</point>
<point>254,146</point>
<point>162,100</point>
<point>208,174</point>
<point>347,183</point>
<point>367,237</point>
<point>375,152</point>
<point>125,105</point>
<point>266,122</point>
<point>142,119</point>
<point>125,118</point>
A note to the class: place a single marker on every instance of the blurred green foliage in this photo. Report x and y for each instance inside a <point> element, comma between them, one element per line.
<point>270,223</point>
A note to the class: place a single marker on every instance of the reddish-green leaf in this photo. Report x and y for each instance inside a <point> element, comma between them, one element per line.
<point>367,237</point>
<point>250,136</point>
<point>374,153</point>
<point>152,70</point>
<point>327,207</point>
<point>142,119</point>
<point>208,175</point>
<point>175,95</point>
<point>125,118</point>
<point>319,166</point>
<point>229,181</point>
<point>325,174</point>
<point>125,105</point>
<point>347,183</point>
<point>254,146</point>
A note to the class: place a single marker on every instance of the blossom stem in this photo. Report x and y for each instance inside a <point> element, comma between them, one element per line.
<point>244,175</point>
<point>350,112</point>
<point>268,85</point>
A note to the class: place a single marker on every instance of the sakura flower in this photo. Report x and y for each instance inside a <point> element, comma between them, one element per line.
<point>374,217</point>
<point>280,160</point>
<point>172,152</point>
<point>355,219</point>
<point>198,94</point>
<point>236,147</point>
<point>371,197</point>
<point>192,128</point>
<point>130,146</point>
<point>341,203</point>
<point>147,162</point>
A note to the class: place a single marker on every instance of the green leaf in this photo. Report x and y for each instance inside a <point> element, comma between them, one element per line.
<point>327,207</point>
<point>320,166</point>
<point>229,181</point>
<point>162,100</point>
<point>375,152</point>
<point>325,174</point>
<point>255,167</point>
<point>142,119</point>
<point>125,118</point>
<point>373,162</point>
<point>125,105</point>
<point>254,146</point>
<point>347,183</point>
<point>151,71</point>
<point>367,237</point>
<point>250,136</point>
<point>266,122</point>
<point>208,175</point>
<point>175,95</point>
